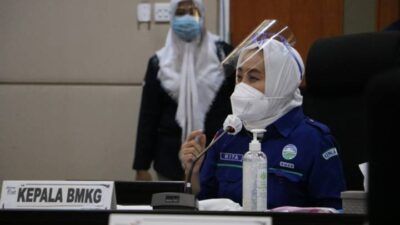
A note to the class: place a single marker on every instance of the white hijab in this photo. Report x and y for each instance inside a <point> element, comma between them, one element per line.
<point>283,72</point>
<point>191,74</point>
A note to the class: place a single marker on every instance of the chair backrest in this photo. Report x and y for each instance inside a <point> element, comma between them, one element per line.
<point>383,114</point>
<point>337,72</point>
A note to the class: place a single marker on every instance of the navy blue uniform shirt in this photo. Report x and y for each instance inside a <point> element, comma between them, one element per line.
<point>304,168</point>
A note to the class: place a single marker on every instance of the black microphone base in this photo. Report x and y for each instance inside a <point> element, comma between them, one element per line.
<point>174,201</point>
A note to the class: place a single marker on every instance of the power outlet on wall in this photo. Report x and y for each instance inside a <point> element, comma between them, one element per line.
<point>144,12</point>
<point>161,12</point>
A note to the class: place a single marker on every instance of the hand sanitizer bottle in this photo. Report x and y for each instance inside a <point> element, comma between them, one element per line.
<point>255,176</point>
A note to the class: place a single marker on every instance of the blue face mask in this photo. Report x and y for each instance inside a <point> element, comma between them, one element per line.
<point>186,27</point>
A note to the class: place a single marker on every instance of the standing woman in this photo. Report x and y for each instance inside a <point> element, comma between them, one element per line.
<point>185,89</point>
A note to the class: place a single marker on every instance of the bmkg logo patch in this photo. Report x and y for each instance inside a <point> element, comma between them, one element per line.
<point>289,152</point>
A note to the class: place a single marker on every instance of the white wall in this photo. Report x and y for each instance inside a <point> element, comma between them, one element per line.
<point>70,86</point>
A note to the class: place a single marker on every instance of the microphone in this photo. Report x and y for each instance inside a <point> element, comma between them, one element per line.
<point>232,124</point>
<point>187,200</point>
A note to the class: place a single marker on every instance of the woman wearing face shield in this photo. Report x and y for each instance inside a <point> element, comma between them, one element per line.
<point>304,168</point>
<point>185,89</point>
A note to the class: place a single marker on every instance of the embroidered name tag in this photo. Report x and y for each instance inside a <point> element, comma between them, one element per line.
<point>329,153</point>
<point>231,157</point>
<point>287,165</point>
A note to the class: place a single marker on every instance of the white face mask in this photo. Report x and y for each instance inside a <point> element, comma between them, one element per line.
<point>254,108</point>
<point>248,103</point>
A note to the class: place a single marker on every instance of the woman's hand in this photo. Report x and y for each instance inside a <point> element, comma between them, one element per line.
<point>190,149</point>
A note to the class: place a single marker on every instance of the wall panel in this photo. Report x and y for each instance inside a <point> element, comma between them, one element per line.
<point>67,132</point>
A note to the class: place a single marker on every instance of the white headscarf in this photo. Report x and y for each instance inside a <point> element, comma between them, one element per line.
<point>283,72</point>
<point>191,73</point>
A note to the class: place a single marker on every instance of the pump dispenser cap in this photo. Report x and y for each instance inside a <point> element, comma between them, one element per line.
<point>255,145</point>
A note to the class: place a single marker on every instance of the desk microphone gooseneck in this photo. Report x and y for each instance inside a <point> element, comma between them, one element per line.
<point>187,200</point>
<point>232,126</point>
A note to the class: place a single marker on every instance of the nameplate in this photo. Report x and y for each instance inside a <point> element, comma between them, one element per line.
<point>160,219</point>
<point>57,195</point>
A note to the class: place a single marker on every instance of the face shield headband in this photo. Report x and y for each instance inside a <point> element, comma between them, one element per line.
<point>268,30</point>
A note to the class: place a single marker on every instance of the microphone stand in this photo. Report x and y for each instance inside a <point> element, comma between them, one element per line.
<point>188,184</point>
<point>186,200</point>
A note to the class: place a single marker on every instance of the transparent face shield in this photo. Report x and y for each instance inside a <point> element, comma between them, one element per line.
<point>268,72</point>
<point>255,56</point>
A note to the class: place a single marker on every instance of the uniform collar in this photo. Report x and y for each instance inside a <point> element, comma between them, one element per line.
<point>288,122</point>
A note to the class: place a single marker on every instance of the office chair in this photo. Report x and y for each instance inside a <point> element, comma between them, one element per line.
<point>383,123</point>
<point>337,72</point>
